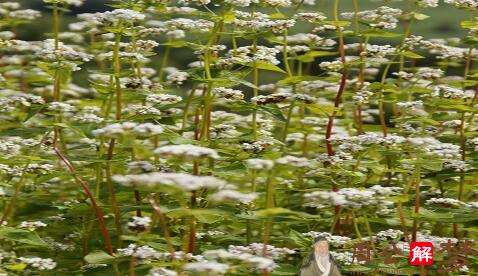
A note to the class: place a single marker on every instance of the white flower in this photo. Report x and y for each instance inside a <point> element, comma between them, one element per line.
<point>429,73</point>
<point>32,225</point>
<point>381,18</point>
<point>139,222</point>
<point>241,3</point>
<point>256,147</point>
<point>278,3</point>
<point>195,2</point>
<point>75,3</point>
<point>352,198</point>
<point>27,14</point>
<point>39,263</point>
<point>334,66</point>
<point>184,181</point>
<point>187,151</point>
<point>428,3</point>
<point>280,97</point>
<point>114,16</point>
<point>447,202</point>
<point>465,4</point>
<point>231,195</point>
<point>258,248</point>
<point>228,93</point>
<point>177,77</point>
<point>161,271</point>
<point>293,161</point>
<point>259,164</point>
<point>61,107</point>
<point>119,129</point>
<point>63,53</point>
<point>140,252</point>
<point>336,241</point>
<point>163,99</point>
<point>211,268</point>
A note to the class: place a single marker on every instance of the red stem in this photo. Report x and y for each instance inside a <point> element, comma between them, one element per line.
<point>164,224</point>
<point>87,190</point>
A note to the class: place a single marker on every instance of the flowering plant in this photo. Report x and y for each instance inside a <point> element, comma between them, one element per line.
<point>219,137</point>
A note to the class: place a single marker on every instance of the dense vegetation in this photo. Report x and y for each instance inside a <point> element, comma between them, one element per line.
<point>287,124</point>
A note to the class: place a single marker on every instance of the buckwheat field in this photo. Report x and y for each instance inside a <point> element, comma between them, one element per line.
<point>221,137</point>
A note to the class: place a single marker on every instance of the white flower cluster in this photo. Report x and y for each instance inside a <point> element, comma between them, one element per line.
<point>209,268</point>
<point>429,73</point>
<point>12,98</point>
<point>177,77</point>
<point>344,258</point>
<point>389,234</point>
<point>161,271</point>
<point>32,225</point>
<point>464,4</point>
<point>450,202</point>
<point>117,15</point>
<point>63,53</point>
<point>333,66</point>
<point>232,195</point>
<point>228,93</point>
<point>312,40</point>
<point>382,18</point>
<point>75,3</point>
<point>186,151</point>
<point>259,164</point>
<point>140,252</point>
<point>139,223</point>
<point>279,97</point>
<point>258,249</point>
<point>362,96</point>
<point>374,196</point>
<point>184,181</point>
<point>194,2</point>
<point>246,258</point>
<point>414,108</point>
<point>428,3</point>
<point>256,147</point>
<point>61,107</point>
<point>247,54</point>
<point>163,99</point>
<point>293,161</point>
<point>378,51</point>
<point>336,241</point>
<point>39,263</point>
<point>117,130</point>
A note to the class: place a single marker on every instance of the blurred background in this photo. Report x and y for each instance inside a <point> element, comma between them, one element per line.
<point>444,22</point>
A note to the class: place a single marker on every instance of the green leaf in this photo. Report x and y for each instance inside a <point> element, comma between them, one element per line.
<point>20,235</point>
<point>338,23</point>
<point>323,109</point>
<point>411,55</point>
<point>310,56</point>
<point>262,65</point>
<point>469,24</point>
<point>229,17</point>
<point>175,44</point>
<point>99,257</point>
<point>202,215</point>
<point>420,16</point>
<point>273,110</point>
<point>277,15</point>
<point>379,33</point>
<point>459,107</point>
<point>297,79</point>
<point>16,267</point>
